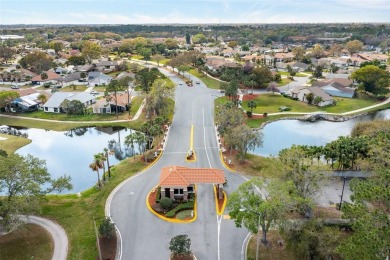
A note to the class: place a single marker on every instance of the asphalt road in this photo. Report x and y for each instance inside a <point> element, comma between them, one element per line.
<point>145,236</point>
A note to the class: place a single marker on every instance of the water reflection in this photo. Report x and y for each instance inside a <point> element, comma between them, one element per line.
<point>71,152</point>
<point>13,131</point>
<point>284,133</point>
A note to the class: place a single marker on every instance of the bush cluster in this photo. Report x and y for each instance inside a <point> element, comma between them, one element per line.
<point>182,206</point>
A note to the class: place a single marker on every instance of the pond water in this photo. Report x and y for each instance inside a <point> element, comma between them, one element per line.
<point>71,152</point>
<point>284,133</point>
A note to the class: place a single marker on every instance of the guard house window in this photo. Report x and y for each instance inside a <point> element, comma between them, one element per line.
<point>190,189</point>
<point>178,191</point>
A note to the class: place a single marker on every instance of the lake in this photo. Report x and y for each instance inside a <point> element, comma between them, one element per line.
<point>71,152</point>
<point>284,133</point>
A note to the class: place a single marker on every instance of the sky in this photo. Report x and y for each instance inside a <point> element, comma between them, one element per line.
<point>192,11</point>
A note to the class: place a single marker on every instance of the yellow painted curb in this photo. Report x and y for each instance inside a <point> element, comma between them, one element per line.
<point>224,164</point>
<point>171,219</point>
<point>219,212</point>
<point>192,145</point>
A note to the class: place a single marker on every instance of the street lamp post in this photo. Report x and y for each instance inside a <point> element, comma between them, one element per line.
<point>258,231</point>
<point>342,193</point>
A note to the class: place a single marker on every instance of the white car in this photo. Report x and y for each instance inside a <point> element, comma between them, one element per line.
<point>94,92</point>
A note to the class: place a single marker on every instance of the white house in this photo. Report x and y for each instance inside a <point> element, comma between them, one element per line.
<point>53,105</point>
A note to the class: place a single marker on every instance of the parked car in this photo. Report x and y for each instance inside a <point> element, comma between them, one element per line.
<point>94,92</point>
<point>14,87</point>
<point>197,82</point>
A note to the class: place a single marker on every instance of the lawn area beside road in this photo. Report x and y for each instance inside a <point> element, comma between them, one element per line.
<point>29,242</point>
<point>210,82</point>
<point>60,126</point>
<point>284,73</point>
<point>12,143</point>
<point>74,88</point>
<point>75,214</point>
<point>65,117</point>
<point>269,103</point>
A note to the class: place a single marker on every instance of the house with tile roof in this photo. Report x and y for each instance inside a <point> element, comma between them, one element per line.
<point>51,77</point>
<point>176,182</point>
<point>102,106</point>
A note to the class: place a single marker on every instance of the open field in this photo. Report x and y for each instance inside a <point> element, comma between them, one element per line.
<point>29,242</point>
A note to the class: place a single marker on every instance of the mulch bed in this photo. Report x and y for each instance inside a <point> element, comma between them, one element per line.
<point>249,97</point>
<point>108,248</point>
<point>182,257</point>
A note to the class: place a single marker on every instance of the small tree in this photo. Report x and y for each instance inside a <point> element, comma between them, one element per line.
<point>252,105</point>
<point>166,203</point>
<point>273,87</point>
<point>180,246</point>
<point>107,228</point>
<point>44,76</point>
<point>310,98</point>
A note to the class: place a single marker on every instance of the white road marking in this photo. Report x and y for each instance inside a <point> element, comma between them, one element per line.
<point>204,138</point>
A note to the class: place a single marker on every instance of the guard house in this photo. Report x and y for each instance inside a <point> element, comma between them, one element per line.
<point>176,182</point>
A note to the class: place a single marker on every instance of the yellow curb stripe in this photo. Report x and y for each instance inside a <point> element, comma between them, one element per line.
<point>192,145</point>
<point>172,220</point>
<point>224,164</point>
<point>219,212</point>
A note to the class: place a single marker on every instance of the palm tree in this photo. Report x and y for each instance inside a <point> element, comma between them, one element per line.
<point>44,76</point>
<point>107,153</point>
<point>129,141</point>
<point>96,165</point>
<point>42,98</point>
<point>139,138</point>
<point>103,159</point>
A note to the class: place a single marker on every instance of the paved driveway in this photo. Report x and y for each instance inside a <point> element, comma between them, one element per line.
<point>145,236</point>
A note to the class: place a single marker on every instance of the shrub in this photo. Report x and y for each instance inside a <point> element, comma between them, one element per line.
<point>249,113</point>
<point>180,245</point>
<point>166,203</point>
<point>181,206</point>
<point>265,114</point>
<point>107,228</point>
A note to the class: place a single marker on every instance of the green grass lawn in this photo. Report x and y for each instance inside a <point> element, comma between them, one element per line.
<point>284,82</point>
<point>270,103</point>
<point>75,214</point>
<point>135,104</point>
<point>28,242</point>
<point>75,88</point>
<point>12,143</point>
<point>210,82</point>
<point>284,73</point>
<point>349,104</point>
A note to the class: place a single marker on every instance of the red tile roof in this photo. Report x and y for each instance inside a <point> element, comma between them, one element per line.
<point>178,176</point>
<point>50,76</point>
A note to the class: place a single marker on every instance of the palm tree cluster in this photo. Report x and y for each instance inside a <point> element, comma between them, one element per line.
<point>343,153</point>
<point>144,139</point>
<point>98,162</point>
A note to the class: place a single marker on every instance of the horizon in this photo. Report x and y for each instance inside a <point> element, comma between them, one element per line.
<point>192,12</point>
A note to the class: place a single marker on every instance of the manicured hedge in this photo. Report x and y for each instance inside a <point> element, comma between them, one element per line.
<point>181,206</point>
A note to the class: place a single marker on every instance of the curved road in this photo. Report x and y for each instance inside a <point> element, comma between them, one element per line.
<point>58,234</point>
<point>145,236</point>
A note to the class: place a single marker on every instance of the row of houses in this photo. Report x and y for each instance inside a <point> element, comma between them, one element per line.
<point>29,101</point>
